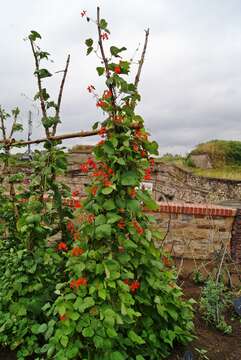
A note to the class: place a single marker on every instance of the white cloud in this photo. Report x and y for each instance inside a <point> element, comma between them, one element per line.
<point>191,80</point>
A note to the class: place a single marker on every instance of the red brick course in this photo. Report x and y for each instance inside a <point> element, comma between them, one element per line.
<point>196,209</point>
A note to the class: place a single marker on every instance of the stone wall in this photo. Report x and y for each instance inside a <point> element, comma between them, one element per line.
<point>169,182</point>
<point>173,183</point>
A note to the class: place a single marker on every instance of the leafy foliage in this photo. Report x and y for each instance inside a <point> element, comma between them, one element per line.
<point>221,152</point>
<point>214,301</point>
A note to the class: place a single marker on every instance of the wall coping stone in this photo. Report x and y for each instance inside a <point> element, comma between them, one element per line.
<point>196,209</point>
<point>180,208</point>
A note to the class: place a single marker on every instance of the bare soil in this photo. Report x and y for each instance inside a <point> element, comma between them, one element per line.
<point>218,345</point>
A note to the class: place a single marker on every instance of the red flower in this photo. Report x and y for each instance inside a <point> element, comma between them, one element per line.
<point>101,103</point>
<point>79,282</point>
<point>90,88</point>
<point>121,249</point>
<point>107,183</point>
<point>132,193</point>
<point>138,227</point>
<point>107,94</point>
<point>147,174</point>
<point>143,153</point>
<point>166,261</point>
<point>121,224</point>
<point>90,162</point>
<point>140,134</point>
<point>70,227</point>
<point>110,171</point>
<point>77,204</point>
<point>118,118</point>
<point>101,142</point>
<point>117,69</point>
<point>98,173</point>
<point>90,218</point>
<point>135,147</point>
<point>135,285</point>
<point>84,168</point>
<point>76,236</point>
<point>104,36</point>
<point>62,246</point>
<point>76,251</point>
<point>102,131</point>
<point>75,193</point>
<point>62,317</point>
<point>83,13</point>
<point>94,190</point>
<point>152,162</point>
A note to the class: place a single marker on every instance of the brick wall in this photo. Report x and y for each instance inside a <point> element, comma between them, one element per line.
<point>196,231</point>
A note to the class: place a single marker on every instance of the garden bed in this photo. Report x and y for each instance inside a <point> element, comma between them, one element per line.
<point>218,346</point>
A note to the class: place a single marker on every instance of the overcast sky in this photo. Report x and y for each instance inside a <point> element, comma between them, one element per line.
<point>190,84</point>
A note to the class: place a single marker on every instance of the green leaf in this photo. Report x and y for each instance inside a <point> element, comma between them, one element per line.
<point>42,328</point>
<point>111,332</point>
<point>33,219</point>
<point>44,94</point>
<point>140,357</point>
<point>100,70</point>
<point>116,355</point>
<point>147,200</point>
<point>72,352</point>
<point>89,50</point>
<point>102,293</point>
<point>73,315</point>
<point>89,42</point>
<point>109,205</point>
<point>133,205</point>
<point>128,244</point>
<point>121,161</point>
<point>95,126</point>
<point>39,329</point>
<point>88,332</point>
<point>34,35</point>
<point>100,220</point>
<point>108,148</point>
<point>42,73</point>
<point>112,218</point>
<point>107,190</point>
<point>61,309</point>
<point>103,231</point>
<point>115,50</point>
<point>64,340</point>
<point>103,24</point>
<point>152,147</point>
<point>135,338</point>
<point>129,178</point>
<point>98,341</point>
<point>50,351</point>
<point>82,305</point>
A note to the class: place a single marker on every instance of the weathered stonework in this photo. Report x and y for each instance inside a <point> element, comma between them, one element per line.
<point>169,183</point>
